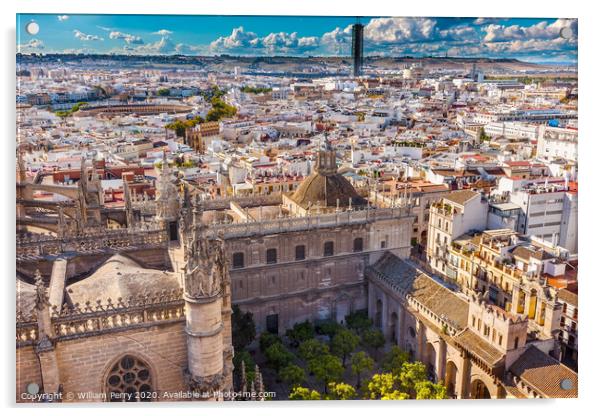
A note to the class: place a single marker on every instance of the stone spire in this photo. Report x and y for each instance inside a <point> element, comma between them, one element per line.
<point>41,299</point>
<point>258,382</point>
<point>167,196</point>
<point>129,210</point>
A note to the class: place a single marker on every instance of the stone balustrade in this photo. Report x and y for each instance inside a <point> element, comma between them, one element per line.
<point>91,319</point>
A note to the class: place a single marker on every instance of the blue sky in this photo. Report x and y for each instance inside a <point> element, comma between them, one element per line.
<point>536,40</point>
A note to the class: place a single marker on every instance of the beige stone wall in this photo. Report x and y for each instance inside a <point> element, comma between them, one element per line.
<point>318,286</point>
<point>28,370</point>
<point>83,363</point>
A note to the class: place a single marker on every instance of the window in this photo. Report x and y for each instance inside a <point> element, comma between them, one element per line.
<point>575,313</point>
<point>516,343</point>
<point>383,244</point>
<point>271,256</point>
<point>238,260</point>
<point>500,338</point>
<point>328,248</point>
<point>486,330</point>
<point>564,307</point>
<point>358,244</point>
<point>474,321</point>
<point>130,375</point>
<point>300,252</point>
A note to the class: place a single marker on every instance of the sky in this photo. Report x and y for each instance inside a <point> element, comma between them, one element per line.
<point>528,39</point>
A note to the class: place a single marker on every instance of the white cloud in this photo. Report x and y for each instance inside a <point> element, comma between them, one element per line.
<point>85,37</point>
<point>33,44</point>
<point>399,29</point>
<point>163,32</point>
<point>164,46</point>
<point>460,33</point>
<point>63,17</point>
<point>541,30</point>
<point>237,39</point>
<point>128,38</point>
<point>279,42</point>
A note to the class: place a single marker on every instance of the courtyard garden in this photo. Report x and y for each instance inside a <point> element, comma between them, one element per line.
<point>326,360</point>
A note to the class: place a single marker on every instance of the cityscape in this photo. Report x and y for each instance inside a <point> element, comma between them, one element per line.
<point>266,208</point>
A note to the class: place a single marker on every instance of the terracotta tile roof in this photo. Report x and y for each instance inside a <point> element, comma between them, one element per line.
<point>526,253</point>
<point>461,197</point>
<point>408,280</point>
<point>545,374</point>
<point>568,297</point>
<point>472,342</point>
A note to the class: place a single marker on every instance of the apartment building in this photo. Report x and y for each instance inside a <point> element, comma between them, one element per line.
<point>452,216</point>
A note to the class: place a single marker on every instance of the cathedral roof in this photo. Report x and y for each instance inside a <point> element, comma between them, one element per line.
<point>121,277</point>
<point>26,295</point>
<point>325,190</point>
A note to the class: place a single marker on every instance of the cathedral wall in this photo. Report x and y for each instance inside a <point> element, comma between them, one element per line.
<point>28,370</point>
<point>84,362</point>
<point>314,287</point>
<point>333,304</point>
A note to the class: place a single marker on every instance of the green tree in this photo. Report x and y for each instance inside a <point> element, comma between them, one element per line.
<point>255,90</point>
<point>360,363</point>
<point>278,356</point>
<point>303,393</point>
<point>328,327</point>
<point>373,338</point>
<point>327,369</point>
<point>243,328</point>
<point>428,390</point>
<point>483,137</point>
<point>312,348</point>
<point>410,383</point>
<point>163,92</point>
<point>340,391</point>
<point>220,109</point>
<point>344,343</point>
<point>410,374</point>
<point>292,374</point>
<point>267,339</point>
<point>178,126</point>
<point>358,321</point>
<point>300,332</point>
<point>394,360</point>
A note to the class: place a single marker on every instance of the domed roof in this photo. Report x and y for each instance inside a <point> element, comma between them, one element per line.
<point>325,190</point>
<point>121,277</point>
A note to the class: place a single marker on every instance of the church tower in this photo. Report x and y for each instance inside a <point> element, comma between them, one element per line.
<point>207,295</point>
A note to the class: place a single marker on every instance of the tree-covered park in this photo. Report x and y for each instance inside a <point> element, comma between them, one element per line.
<point>326,360</point>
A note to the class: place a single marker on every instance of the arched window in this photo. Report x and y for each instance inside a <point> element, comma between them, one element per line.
<point>238,260</point>
<point>358,244</point>
<point>129,380</point>
<point>328,248</point>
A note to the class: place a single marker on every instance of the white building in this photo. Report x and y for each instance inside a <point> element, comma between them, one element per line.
<point>554,142</point>
<point>454,215</point>
<point>548,211</point>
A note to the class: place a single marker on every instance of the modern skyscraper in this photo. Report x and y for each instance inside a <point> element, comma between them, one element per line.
<point>357,49</point>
